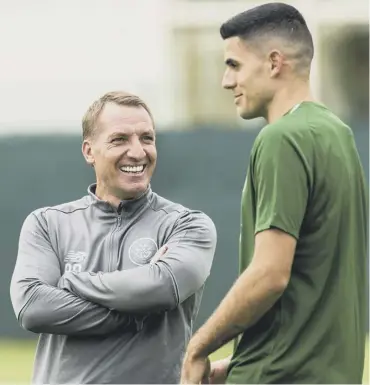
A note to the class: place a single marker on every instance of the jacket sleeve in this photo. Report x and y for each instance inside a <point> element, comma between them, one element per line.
<point>159,286</point>
<point>39,305</point>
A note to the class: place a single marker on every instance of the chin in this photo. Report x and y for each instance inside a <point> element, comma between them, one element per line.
<point>247,114</point>
<point>134,190</point>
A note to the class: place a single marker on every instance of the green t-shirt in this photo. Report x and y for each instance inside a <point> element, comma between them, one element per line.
<point>305,178</point>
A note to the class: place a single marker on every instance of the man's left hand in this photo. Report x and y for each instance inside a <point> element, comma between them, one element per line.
<point>195,370</point>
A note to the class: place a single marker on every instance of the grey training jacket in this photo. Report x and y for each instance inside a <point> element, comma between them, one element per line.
<point>83,281</point>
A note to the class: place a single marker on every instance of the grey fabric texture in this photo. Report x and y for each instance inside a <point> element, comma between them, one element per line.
<point>83,281</point>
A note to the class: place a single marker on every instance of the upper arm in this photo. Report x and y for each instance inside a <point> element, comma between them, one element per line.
<point>191,248</point>
<point>39,305</point>
<point>36,261</point>
<point>281,183</point>
<point>281,186</point>
<point>274,254</point>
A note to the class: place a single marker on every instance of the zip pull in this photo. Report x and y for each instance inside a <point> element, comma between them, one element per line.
<point>139,321</point>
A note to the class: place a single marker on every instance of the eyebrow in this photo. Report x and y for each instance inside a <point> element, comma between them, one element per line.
<point>115,134</point>
<point>231,62</point>
<point>148,132</point>
<point>120,133</point>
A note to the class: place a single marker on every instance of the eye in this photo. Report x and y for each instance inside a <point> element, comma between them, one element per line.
<point>232,64</point>
<point>148,138</point>
<point>119,139</point>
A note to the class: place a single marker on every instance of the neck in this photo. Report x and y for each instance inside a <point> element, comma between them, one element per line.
<point>287,97</point>
<point>103,193</point>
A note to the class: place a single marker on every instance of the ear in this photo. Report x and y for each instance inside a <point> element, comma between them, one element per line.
<point>276,63</point>
<point>87,152</point>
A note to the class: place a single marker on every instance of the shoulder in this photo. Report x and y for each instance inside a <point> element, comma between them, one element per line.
<point>180,215</point>
<point>291,134</point>
<point>310,119</point>
<point>42,215</point>
<point>284,128</point>
<point>164,205</point>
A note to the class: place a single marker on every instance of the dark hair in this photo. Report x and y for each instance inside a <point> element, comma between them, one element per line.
<point>272,19</point>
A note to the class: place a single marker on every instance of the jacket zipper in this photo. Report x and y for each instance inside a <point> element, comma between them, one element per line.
<point>111,251</point>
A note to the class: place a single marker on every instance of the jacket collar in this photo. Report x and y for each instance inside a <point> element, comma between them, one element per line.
<point>125,207</point>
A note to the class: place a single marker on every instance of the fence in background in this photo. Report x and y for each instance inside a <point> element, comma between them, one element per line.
<point>202,169</point>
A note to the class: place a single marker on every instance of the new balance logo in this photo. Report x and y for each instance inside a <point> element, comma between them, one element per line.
<point>73,261</point>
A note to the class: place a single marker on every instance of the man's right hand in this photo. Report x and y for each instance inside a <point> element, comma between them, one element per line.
<point>159,254</point>
<point>219,371</point>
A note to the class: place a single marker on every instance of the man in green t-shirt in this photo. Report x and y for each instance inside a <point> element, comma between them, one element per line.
<point>299,306</point>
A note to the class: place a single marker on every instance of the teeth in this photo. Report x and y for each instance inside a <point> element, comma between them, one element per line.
<point>132,168</point>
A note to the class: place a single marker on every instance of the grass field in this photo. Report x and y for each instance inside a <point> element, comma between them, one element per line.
<point>17,360</point>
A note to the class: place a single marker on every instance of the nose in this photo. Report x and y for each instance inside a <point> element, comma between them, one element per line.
<point>228,80</point>
<point>136,150</point>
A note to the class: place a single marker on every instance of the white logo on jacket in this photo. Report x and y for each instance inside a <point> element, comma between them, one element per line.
<point>142,250</point>
<point>73,261</point>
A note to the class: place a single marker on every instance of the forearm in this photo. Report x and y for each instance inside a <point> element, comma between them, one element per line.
<point>140,290</point>
<point>158,286</point>
<point>252,295</point>
<point>45,309</point>
<point>38,304</point>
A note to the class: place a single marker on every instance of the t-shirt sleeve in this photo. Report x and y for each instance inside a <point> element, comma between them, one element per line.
<point>281,182</point>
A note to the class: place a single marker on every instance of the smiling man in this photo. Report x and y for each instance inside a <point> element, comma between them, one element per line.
<point>299,306</point>
<point>124,155</point>
<point>112,282</point>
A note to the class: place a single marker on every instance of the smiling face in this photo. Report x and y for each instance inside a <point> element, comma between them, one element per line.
<point>248,75</point>
<point>122,151</point>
